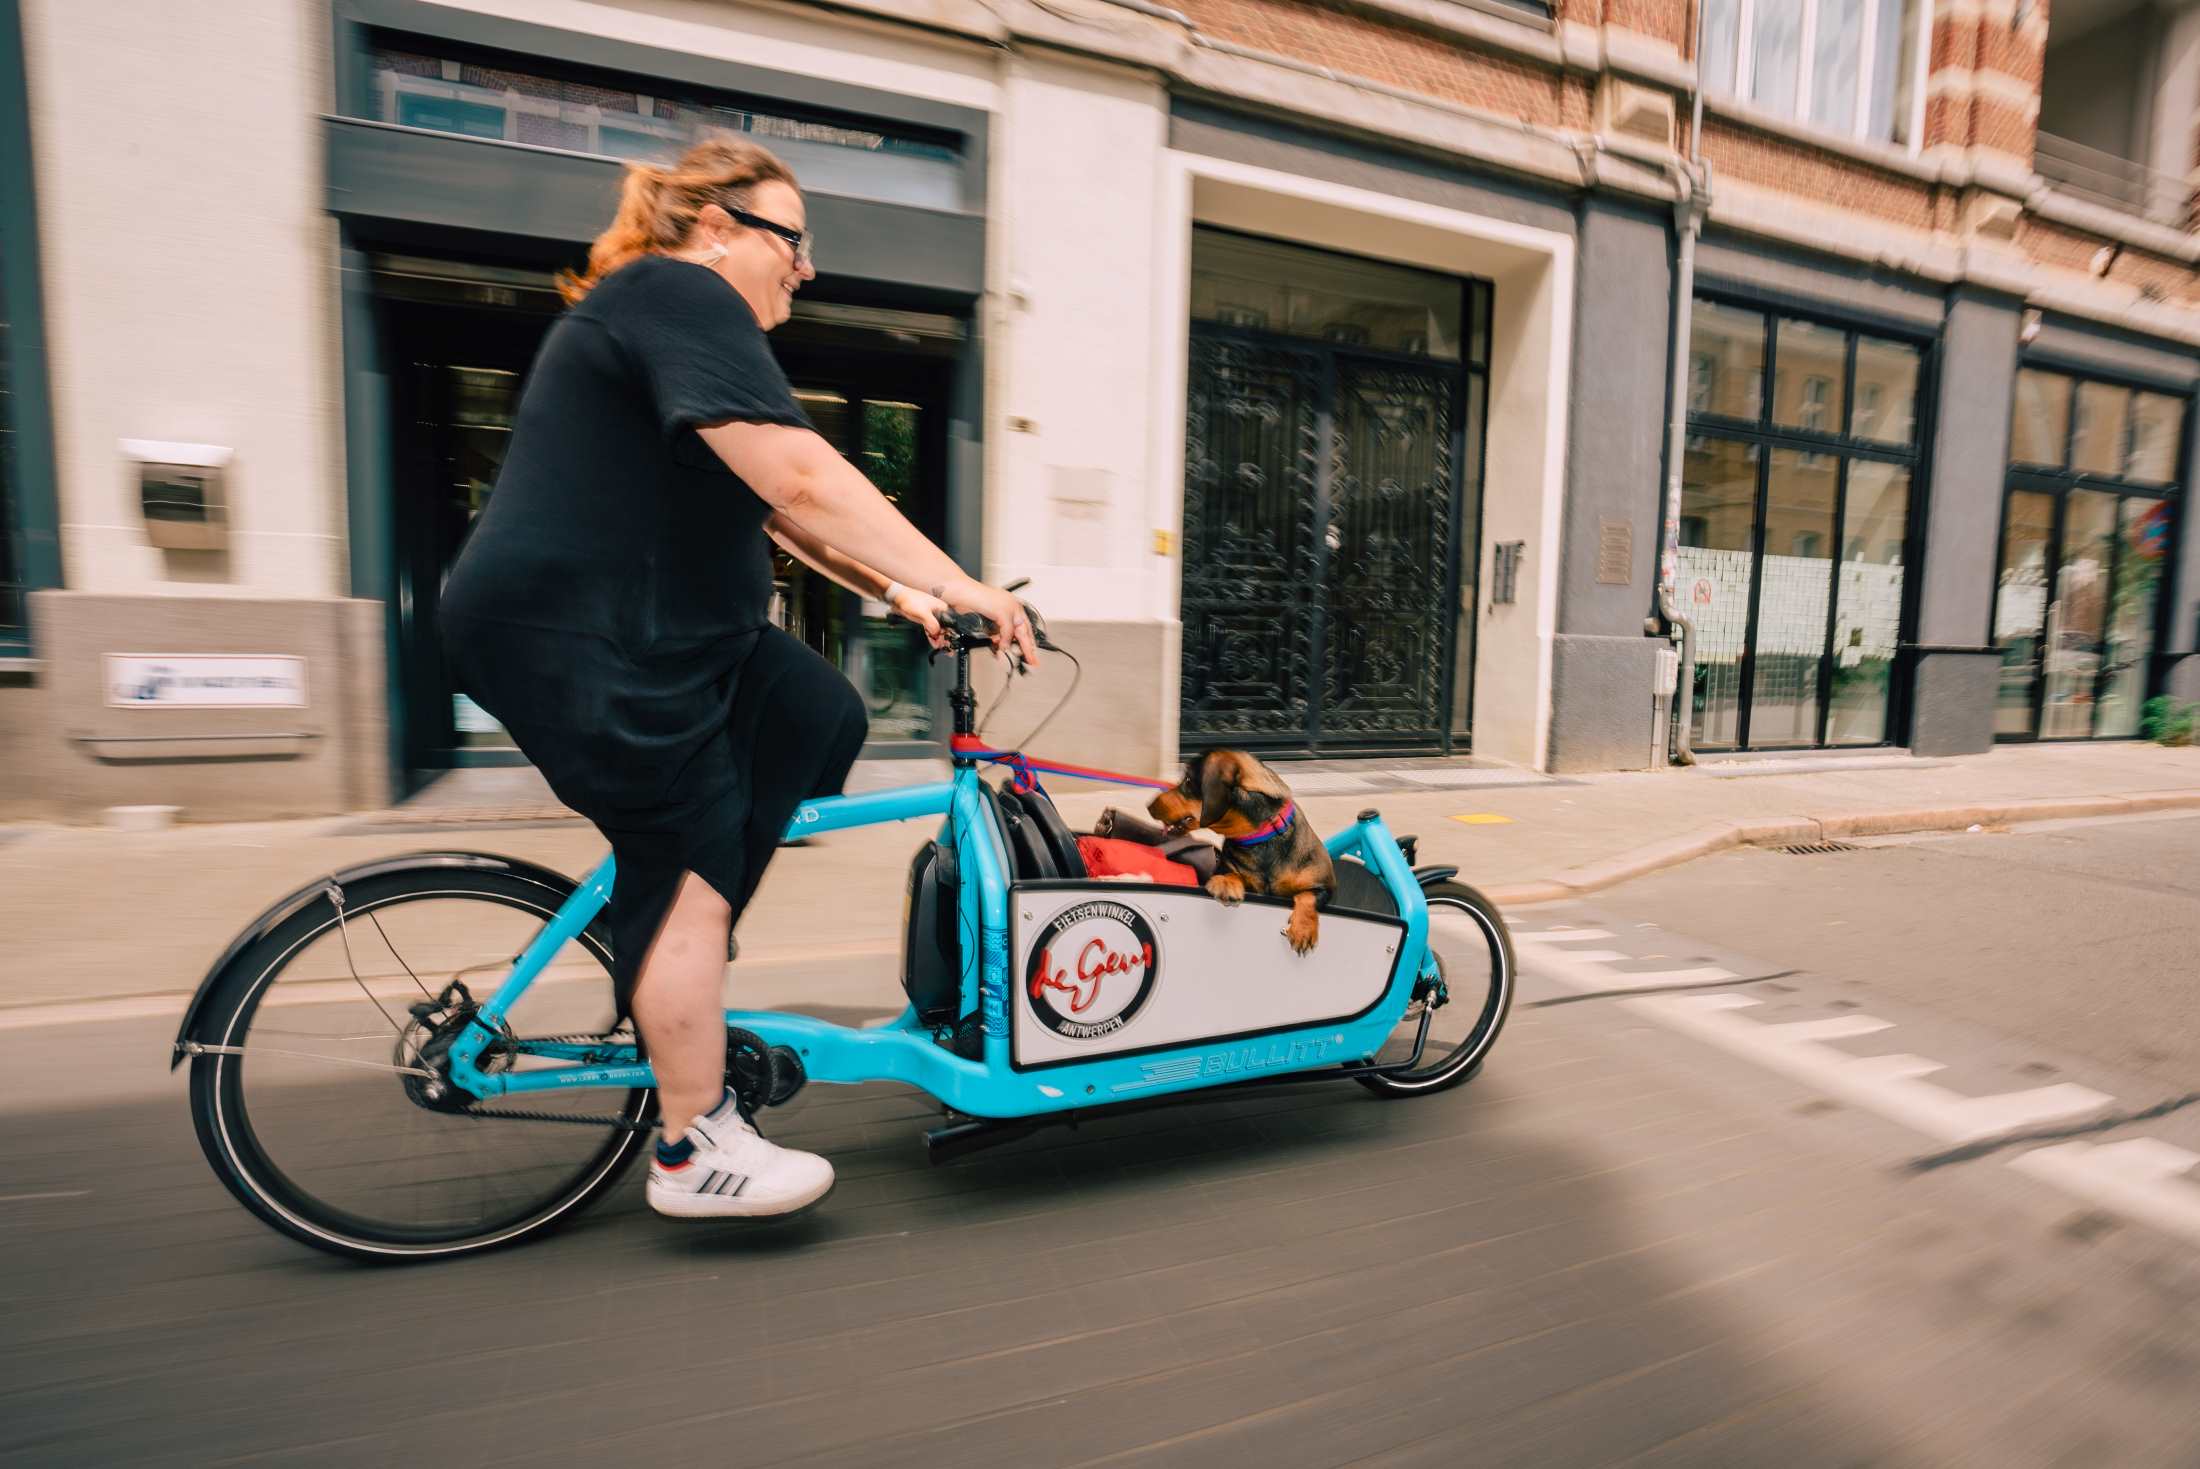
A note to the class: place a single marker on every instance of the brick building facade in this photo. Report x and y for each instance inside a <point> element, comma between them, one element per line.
<point>1319,361</point>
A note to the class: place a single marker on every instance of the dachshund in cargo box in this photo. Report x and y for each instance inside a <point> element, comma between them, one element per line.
<point>1267,847</point>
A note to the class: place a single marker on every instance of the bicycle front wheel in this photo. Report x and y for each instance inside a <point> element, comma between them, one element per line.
<point>1448,1030</point>
<point>316,1106</point>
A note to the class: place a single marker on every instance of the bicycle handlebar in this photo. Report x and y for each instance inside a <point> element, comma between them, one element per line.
<point>968,631</point>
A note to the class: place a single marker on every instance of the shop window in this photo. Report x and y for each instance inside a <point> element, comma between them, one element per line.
<point>1793,528</point>
<point>2039,423</point>
<point>2087,532</point>
<point>1886,391</point>
<point>1847,66</point>
<point>2097,441</point>
<point>1731,344</point>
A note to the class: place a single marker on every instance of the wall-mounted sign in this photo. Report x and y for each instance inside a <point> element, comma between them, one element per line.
<point>205,681</point>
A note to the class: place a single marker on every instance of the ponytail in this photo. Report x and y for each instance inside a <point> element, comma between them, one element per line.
<point>658,206</point>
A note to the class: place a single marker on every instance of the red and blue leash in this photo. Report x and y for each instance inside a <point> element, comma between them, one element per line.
<point>1026,769</point>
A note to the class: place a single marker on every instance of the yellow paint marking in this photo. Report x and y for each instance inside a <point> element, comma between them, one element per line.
<point>1482,818</point>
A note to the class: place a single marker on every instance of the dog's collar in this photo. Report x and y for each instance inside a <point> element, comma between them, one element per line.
<point>1262,833</point>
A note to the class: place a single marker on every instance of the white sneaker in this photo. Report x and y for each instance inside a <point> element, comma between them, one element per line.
<point>734,1173</point>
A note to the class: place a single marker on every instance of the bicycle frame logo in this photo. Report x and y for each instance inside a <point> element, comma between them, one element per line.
<point>1091,970</point>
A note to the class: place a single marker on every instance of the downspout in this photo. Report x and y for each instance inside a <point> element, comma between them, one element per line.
<point>1688,212</point>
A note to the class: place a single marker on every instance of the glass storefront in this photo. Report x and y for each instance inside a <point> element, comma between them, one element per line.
<point>1795,524</point>
<point>462,336</point>
<point>2087,530</point>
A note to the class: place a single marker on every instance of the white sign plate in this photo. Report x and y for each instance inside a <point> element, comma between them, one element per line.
<point>205,681</point>
<point>1108,967</point>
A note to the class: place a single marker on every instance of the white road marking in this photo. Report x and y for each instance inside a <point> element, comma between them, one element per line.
<point>1659,979</point>
<point>2141,1178</point>
<point>1888,1085</point>
<point>1554,935</point>
<point>1585,970</point>
<point>66,1193</point>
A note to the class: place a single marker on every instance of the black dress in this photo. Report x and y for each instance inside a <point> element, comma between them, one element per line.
<point>610,607</point>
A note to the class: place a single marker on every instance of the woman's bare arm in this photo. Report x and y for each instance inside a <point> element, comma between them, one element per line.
<point>921,608</point>
<point>810,484</point>
<point>825,561</point>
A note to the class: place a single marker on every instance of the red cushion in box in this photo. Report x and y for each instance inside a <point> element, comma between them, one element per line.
<point>1114,857</point>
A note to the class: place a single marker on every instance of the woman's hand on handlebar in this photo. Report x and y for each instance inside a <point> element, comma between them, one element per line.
<point>923,609</point>
<point>1011,629</point>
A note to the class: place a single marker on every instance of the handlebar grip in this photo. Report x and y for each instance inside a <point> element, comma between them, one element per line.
<point>971,625</point>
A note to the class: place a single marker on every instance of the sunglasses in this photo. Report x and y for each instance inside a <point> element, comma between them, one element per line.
<point>799,241</point>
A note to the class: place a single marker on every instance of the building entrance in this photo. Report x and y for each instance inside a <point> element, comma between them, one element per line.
<point>457,342</point>
<point>1331,500</point>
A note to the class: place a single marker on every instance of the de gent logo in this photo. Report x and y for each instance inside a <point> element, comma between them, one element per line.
<point>1091,970</point>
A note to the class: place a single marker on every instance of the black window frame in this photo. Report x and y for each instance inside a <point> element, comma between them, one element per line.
<point>1766,435</point>
<point>2058,481</point>
<point>29,508</point>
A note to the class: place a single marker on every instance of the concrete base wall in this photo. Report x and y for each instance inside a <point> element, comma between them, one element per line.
<point>1953,703</point>
<point>84,753</point>
<point>1603,714</point>
<point>2184,679</point>
<point>27,748</point>
<point>1115,718</point>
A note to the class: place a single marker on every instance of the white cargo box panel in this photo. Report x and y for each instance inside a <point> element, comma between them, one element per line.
<point>1103,968</point>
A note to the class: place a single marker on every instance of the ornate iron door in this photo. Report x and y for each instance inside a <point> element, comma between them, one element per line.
<point>1321,507</point>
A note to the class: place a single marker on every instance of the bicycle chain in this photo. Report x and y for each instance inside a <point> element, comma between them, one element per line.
<point>581,1119</point>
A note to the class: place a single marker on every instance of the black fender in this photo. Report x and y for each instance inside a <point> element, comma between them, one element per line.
<point>1427,875</point>
<point>319,890</point>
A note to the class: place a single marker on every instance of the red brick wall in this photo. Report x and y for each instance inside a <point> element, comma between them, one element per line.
<point>2068,249</point>
<point>1823,178</point>
<point>1985,47</point>
<point>1984,122</point>
<point>1672,21</point>
<point>1447,69</point>
<point>1393,55</point>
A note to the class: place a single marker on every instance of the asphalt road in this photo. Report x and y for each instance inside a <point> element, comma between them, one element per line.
<point>2084,936</point>
<point>1622,1244</point>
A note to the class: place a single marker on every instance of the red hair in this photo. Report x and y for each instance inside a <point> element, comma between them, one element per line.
<point>658,206</point>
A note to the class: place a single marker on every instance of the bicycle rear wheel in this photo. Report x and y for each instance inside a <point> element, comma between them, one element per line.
<point>314,1109</point>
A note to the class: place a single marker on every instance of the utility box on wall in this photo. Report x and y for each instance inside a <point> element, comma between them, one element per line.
<point>182,493</point>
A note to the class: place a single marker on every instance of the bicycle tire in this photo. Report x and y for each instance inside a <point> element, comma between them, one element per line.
<point>1462,1061</point>
<point>223,1114</point>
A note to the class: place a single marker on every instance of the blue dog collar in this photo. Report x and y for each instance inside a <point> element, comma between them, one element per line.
<point>1263,833</point>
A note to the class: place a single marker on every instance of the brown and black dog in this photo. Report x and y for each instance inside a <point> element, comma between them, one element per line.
<point>1267,846</point>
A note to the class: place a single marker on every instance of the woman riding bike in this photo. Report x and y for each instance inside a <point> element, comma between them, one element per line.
<point>610,609</point>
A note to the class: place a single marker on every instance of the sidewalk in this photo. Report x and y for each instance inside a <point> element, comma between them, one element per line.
<point>88,914</point>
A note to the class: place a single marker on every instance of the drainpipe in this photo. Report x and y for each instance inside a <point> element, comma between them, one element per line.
<point>1688,211</point>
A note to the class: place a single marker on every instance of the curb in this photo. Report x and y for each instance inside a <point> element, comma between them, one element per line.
<point>1790,831</point>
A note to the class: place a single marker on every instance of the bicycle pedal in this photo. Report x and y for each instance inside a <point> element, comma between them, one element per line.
<point>788,1076</point>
